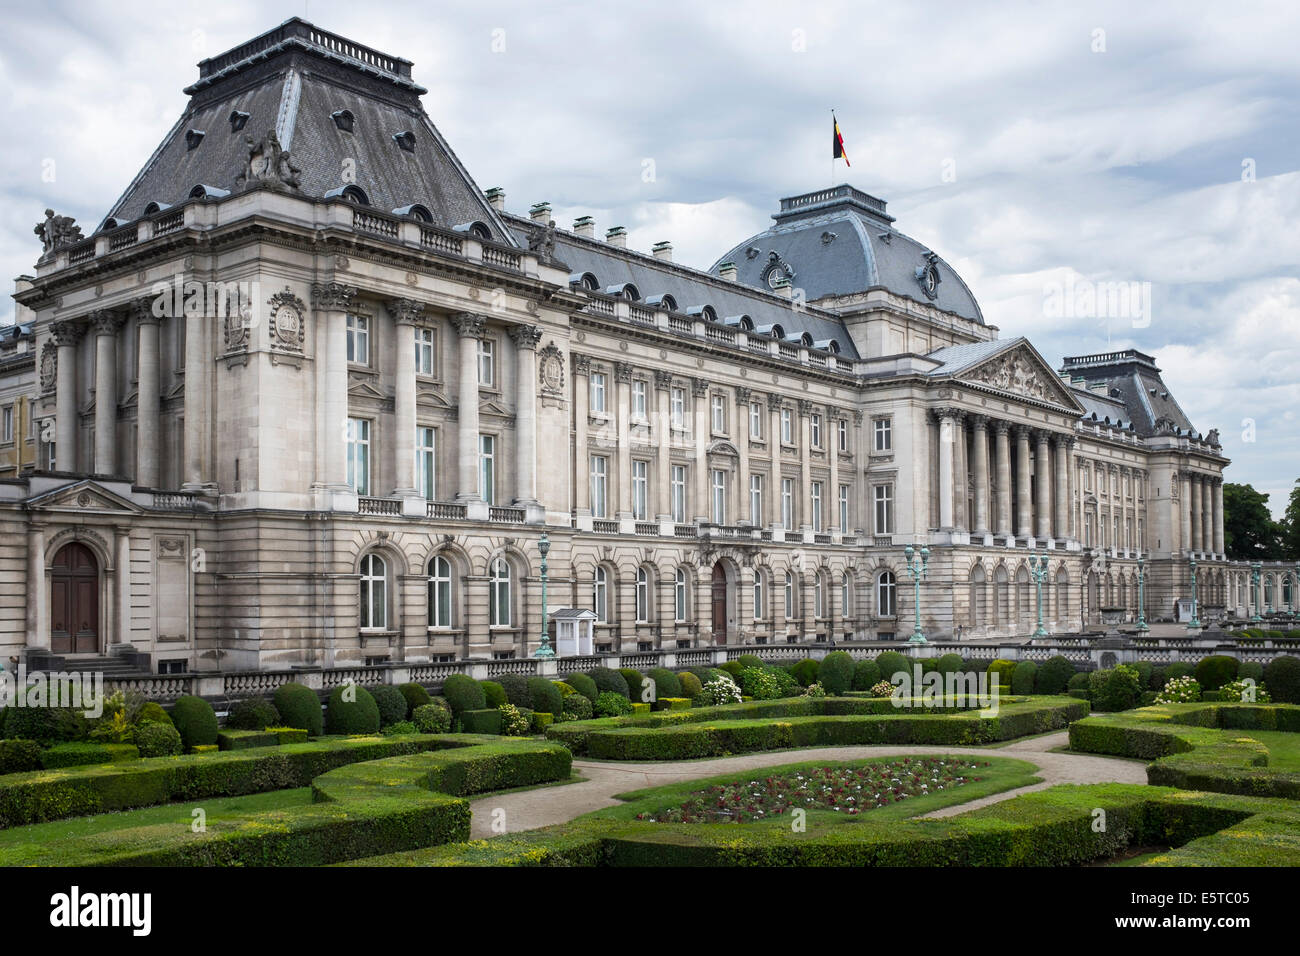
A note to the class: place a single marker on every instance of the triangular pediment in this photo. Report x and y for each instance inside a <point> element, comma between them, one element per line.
<point>359,388</point>
<point>1020,371</point>
<point>87,495</point>
<point>493,407</point>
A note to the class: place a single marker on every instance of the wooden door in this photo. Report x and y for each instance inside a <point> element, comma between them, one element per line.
<point>74,601</point>
<point>719,605</point>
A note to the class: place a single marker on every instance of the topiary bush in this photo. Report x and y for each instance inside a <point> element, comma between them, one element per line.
<point>836,673</point>
<point>546,698</point>
<point>732,669</point>
<point>612,704</point>
<point>1022,678</point>
<point>805,671</point>
<point>493,693</point>
<point>666,682</point>
<point>1144,669</point>
<point>160,740</point>
<point>577,707</point>
<point>357,716</point>
<point>515,721</point>
<point>299,706</point>
<point>865,674</point>
<point>564,689</point>
<point>759,683</point>
<point>1005,671</point>
<point>196,721</point>
<point>1080,680</point>
<point>1119,689</point>
<point>1177,669</point>
<point>891,663</point>
<point>607,681</point>
<point>431,719</point>
<point>584,685</point>
<point>19,756</point>
<point>1251,670</point>
<point>252,713</point>
<point>749,660</point>
<point>399,727</point>
<point>1282,677</point>
<point>1054,676</point>
<point>949,664</point>
<point>391,703</point>
<point>416,696</point>
<point>690,684</point>
<point>1214,671</point>
<point>637,688</point>
<point>152,712</point>
<point>463,693</point>
<point>516,689</point>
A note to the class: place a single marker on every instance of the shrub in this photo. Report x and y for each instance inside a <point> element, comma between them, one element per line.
<point>545,697</point>
<point>564,689</point>
<point>836,673</point>
<point>1119,690</point>
<point>607,681</point>
<point>86,754</point>
<point>1005,671</point>
<point>1252,670</point>
<point>584,685</point>
<point>516,688</point>
<point>463,693</point>
<point>1080,680</point>
<point>1180,690</point>
<point>637,687</point>
<point>196,721</point>
<point>949,664</point>
<point>690,684</point>
<point>805,671</point>
<point>151,711</point>
<point>357,716</point>
<point>1054,676</point>
<point>815,689</point>
<point>399,727</point>
<point>19,756</point>
<point>891,663</point>
<point>514,722</point>
<point>46,725</point>
<point>720,690</point>
<point>1022,678</point>
<point>299,706</point>
<point>1177,669</point>
<point>416,696</point>
<point>666,682</point>
<point>577,707</point>
<point>749,660</point>
<point>1144,669</point>
<point>391,703</point>
<point>759,683</point>
<point>1245,691</point>
<point>612,704</point>
<point>494,695</point>
<point>158,740</point>
<point>484,721</point>
<point>1282,675</point>
<point>732,669</point>
<point>252,713</point>
<point>1216,670</point>
<point>431,719</point>
<point>865,673</point>
<point>882,689</point>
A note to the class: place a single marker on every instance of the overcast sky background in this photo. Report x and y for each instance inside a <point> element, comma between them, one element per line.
<point>1070,163</point>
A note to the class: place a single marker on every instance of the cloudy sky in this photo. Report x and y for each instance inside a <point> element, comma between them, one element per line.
<point>1032,144</point>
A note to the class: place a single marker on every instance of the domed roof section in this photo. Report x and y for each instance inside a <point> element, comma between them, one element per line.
<point>839,241</point>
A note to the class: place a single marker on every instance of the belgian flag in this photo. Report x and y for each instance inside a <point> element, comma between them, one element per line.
<point>837,144</point>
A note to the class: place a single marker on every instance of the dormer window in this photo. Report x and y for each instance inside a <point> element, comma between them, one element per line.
<point>415,211</point>
<point>478,230</point>
<point>355,194</point>
<point>343,120</point>
<point>202,191</point>
<point>405,139</point>
<point>665,302</point>
<point>156,207</point>
<point>584,281</point>
<point>193,137</point>
<point>237,120</point>
<point>625,291</point>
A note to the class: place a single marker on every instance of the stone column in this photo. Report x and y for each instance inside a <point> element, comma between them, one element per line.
<point>1198,543</point>
<point>67,334</point>
<point>833,456</point>
<point>1218,516</point>
<point>526,338</point>
<point>331,301</point>
<point>961,471</point>
<point>581,412</point>
<point>147,396</point>
<point>1002,430</point>
<point>1043,471</point>
<point>1061,472</point>
<point>406,315</point>
<point>980,464</point>
<point>700,436</point>
<point>1024,525</point>
<point>622,479</point>
<point>743,396</point>
<point>946,431</point>
<point>805,475</point>
<point>1185,509</point>
<point>470,329</point>
<point>106,325</point>
<point>774,403</point>
<point>1207,513</point>
<point>38,605</point>
<point>664,442</point>
<point>122,560</point>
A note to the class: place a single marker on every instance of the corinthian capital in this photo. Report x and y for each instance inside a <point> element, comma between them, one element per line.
<point>525,336</point>
<point>106,321</point>
<point>67,332</point>
<point>405,311</point>
<point>468,325</point>
<point>142,310</point>
<point>333,296</point>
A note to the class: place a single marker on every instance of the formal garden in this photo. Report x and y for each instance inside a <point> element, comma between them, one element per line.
<point>817,762</point>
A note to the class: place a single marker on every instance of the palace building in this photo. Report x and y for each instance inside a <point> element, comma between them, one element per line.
<point>308,396</point>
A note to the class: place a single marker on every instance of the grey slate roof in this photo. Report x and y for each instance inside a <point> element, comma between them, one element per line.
<point>1132,379</point>
<point>958,358</point>
<point>839,241</point>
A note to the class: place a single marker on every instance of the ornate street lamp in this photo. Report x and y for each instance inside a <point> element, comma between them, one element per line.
<point>545,650</point>
<point>1038,571</point>
<point>1295,589</point>
<point>1254,591</point>
<point>1194,624</point>
<point>918,569</point>
<point>1142,600</point>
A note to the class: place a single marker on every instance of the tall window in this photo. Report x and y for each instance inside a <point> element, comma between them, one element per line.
<point>425,354</point>
<point>719,414</point>
<point>642,596</point>
<point>374,593</point>
<point>884,432</point>
<point>426,461</point>
<point>886,594</point>
<point>679,595</point>
<point>884,500</point>
<point>359,455</point>
<point>640,490</point>
<point>846,595</point>
<point>598,393</point>
<point>487,362</point>
<point>789,595</point>
<point>756,420</point>
<point>819,597</point>
<point>787,503</point>
<point>499,593</point>
<point>815,429</point>
<point>844,508</point>
<point>842,433</point>
<point>440,592</point>
<point>719,496</point>
<point>358,339</point>
<point>639,399</point>
<point>677,407</point>
<point>759,602</point>
<point>600,595</point>
<point>599,486</point>
<point>756,500</point>
<point>487,468</point>
<point>787,427</point>
<point>7,424</point>
<point>677,488</point>
<point>816,502</point>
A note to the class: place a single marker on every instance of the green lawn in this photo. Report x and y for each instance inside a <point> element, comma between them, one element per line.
<point>1283,747</point>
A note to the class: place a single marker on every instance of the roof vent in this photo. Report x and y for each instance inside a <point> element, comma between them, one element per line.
<point>728,271</point>
<point>616,236</point>
<point>405,139</point>
<point>496,197</point>
<point>540,212</point>
<point>343,119</point>
<point>584,226</point>
<point>237,120</point>
<point>193,137</point>
<point>662,250</point>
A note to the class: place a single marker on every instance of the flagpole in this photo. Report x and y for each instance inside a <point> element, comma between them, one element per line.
<point>832,151</point>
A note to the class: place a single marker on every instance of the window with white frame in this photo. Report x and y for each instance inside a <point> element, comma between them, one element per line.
<point>759,602</point>
<point>439,592</point>
<point>756,420</point>
<point>487,362</point>
<point>846,594</point>
<point>884,434</point>
<point>816,502</point>
<point>677,407</point>
<point>7,424</point>
<point>886,594</point>
<point>426,352</point>
<point>600,595</point>
<point>358,327</point>
<point>819,597</point>
<point>677,493</point>
<point>719,487</point>
<point>787,427</point>
<point>679,595</point>
<point>884,502</point>
<point>642,596</point>
<point>599,486</point>
<point>487,468</point>
<point>359,455</point>
<point>720,414</point>
<point>598,393</point>
<point>756,500</point>
<point>843,502</point>
<point>374,593</point>
<point>789,595</point>
<point>815,429</point>
<point>640,489</point>
<point>842,433</point>
<point>639,391</point>
<point>499,593</point>
<point>426,461</point>
<point>787,504</point>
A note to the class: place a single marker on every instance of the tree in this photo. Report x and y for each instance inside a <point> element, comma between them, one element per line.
<point>1249,531</point>
<point>1291,525</point>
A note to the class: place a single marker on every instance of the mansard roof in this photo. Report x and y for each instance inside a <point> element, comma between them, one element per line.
<point>1132,379</point>
<point>347,115</point>
<point>1006,365</point>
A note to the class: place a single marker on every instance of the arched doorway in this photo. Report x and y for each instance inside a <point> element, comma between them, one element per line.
<point>719,603</point>
<point>74,601</point>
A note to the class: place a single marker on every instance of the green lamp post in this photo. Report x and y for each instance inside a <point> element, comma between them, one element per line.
<point>1254,591</point>
<point>1142,601</point>
<point>918,569</point>
<point>545,650</point>
<point>1038,571</point>
<point>1195,623</point>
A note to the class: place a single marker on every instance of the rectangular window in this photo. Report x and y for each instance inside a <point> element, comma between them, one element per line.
<point>719,484</point>
<point>844,508</point>
<point>719,414</point>
<point>487,363</point>
<point>640,488</point>
<point>677,401</point>
<point>487,468</point>
<point>884,432</point>
<point>677,488</point>
<point>842,430</point>
<point>359,455</point>
<point>358,339</point>
<point>679,595</point>
<point>816,501</point>
<point>639,400</point>
<point>425,352</point>
<point>815,430</point>
<point>787,504</point>
<point>787,427</point>
<point>756,420</point>
<point>642,596</point>
<point>756,500</point>
<point>599,486</point>
<point>884,495</point>
<point>597,393</point>
<point>426,462</point>
<point>7,424</point>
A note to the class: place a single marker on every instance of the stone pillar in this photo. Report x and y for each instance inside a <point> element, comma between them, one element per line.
<point>980,464</point>
<point>805,477</point>
<point>1197,542</point>
<point>147,396</point>
<point>331,301</point>
<point>946,432</point>
<point>622,479</point>
<point>664,444</point>
<point>581,463</point>
<point>470,329</point>
<point>1061,472</point>
<point>406,315</point>
<point>1207,513</point>
<point>122,561</point>
<point>961,471</point>
<point>1024,526</point>
<point>1043,472</point>
<point>38,605</point>
<point>700,436</point>
<point>106,325</point>
<point>1002,431</point>
<point>833,456</point>
<point>774,403</point>
<point>1218,516</point>
<point>741,437</point>
<point>1184,509</point>
<point>525,338</point>
<point>67,334</point>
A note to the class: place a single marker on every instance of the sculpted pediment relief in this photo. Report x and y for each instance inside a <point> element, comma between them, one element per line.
<point>1019,371</point>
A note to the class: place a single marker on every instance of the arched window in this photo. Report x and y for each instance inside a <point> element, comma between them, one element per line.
<point>499,596</point>
<point>819,597</point>
<point>1062,595</point>
<point>642,596</point>
<point>679,595</point>
<point>374,593</point>
<point>789,595</point>
<point>355,194</point>
<point>760,602</point>
<point>886,594</point>
<point>600,595</point>
<point>976,597</point>
<point>1268,591</point>
<point>440,592</point>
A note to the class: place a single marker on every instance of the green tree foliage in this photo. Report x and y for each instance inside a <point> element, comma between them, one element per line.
<point>1249,531</point>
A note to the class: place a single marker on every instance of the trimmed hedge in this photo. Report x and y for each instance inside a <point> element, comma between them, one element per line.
<point>637,688</point>
<point>1282,678</point>
<point>805,671</point>
<point>299,706</point>
<point>1214,671</point>
<point>836,673</point>
<point>252,713</point>
<point>248,739</point>
<point>690,684</point>
<point>464,693</point>
<point>1022,678</point>
<point>83,754</point>
<point>19,756</point>
<point>891,662</point>
<point>544,696</point>
<point>866,674</point>
<point>608,681</point>
<point>416,696</point>
<point>494,695</point>
<point>196,721</point>
<point>159,740</point>
<point>391,703</point>
<point>584,685</point>
<point>357,716</point>
<point>1054,675</point>
<point>516,690</point>
<point>485,721</point>
<point>666,683</point>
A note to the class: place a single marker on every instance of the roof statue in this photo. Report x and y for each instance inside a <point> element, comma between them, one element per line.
<point>268,164</point>
<point>57,231</point>
<point>541,240</point>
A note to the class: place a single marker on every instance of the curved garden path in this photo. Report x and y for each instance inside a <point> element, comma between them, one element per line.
<point>530,809</point>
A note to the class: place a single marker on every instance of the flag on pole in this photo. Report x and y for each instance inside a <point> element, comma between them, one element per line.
<point>837,145</point>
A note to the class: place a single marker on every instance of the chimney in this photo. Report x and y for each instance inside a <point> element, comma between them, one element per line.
<point>662,250</point>
<point>1099,388</point>
<point>584,226</point>
<point>1065,378</point>
<point>728,271</point>
<point>617,236</point>
<point>540,212</point>
<point>783,288</point>
<point>496,197</point>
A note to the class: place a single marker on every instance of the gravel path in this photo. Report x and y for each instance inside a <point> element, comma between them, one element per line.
<point>530,809</point>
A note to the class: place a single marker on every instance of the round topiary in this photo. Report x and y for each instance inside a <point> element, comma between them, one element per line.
<point>1054,676</point>
<point>891,663</point>
<point>690,684</point>
<point>1282,678</point>
<point>1145,669</point>
<point>1159,676</point>
<point>493,693</point>
<point>416,696</point>
<point>836,673</point>
<point>1022,678</point>
<point>949,664</point>
<point>158,740</point>
<point>1177,669</point>
<point>584,685</point>
<point>1214,671</point>
<point>196,721</point>
<point>360,715</point>
<point>929,665</point>
<point>431,719</point>
<point>637,688</point>
<point>804,671</point>
<point>463,693</point>
<point>577,707</point>
<point>299,707</point>
<point>1119,690</point>
<point>866,674</point>
<point>733,668</point>
<point>1079,681</point>
<point>1252,670</point>
<point>252,713</point>
<point>516,688</point>
<point>1005,671</point>
<point>545,698</point>
<point>749,660</point>
<point>391,703</point>
<point>666,682</point>
<point>152,712</point>
<point>607,680</point>
<point>565,690</point>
